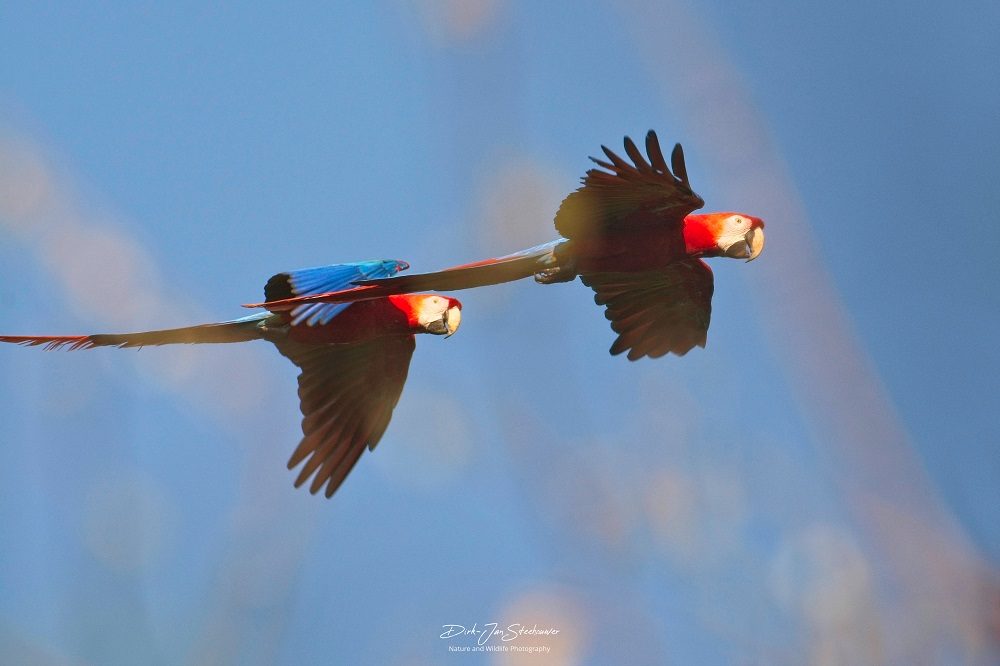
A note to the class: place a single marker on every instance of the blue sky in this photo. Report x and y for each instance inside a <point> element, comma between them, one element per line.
<point>818,484</point>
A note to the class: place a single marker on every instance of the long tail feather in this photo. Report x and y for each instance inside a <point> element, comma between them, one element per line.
<point>50,341</point>
<point>240,330</point>
<point>467,276</point>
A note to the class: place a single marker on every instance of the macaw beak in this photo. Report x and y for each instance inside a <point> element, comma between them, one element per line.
<point>452,320</point>
<point>748,247</point>
<point>755,242</point>
<point>447,324</point>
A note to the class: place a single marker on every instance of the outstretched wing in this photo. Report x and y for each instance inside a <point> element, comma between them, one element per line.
<point>346,394</point>
<point>658,312</point>
<point>478,274</point>
<point>629,196</point>
<point>322,279</point>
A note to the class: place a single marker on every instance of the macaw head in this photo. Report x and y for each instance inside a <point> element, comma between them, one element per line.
<point>440,315</point>
<point>735,235</point>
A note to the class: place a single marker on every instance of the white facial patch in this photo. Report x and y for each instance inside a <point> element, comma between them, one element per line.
<point>734,231</point>
<point>431,310</point>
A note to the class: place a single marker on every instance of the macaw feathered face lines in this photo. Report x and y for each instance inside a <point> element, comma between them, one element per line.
<point>740,236</point>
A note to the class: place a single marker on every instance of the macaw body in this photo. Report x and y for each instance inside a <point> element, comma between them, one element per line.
<point>630,233</point>
<point>354,358</point>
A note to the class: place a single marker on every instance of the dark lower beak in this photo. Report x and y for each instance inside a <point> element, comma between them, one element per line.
<point>738,250</point>
<point>438,327</point>
<point>749,248</point>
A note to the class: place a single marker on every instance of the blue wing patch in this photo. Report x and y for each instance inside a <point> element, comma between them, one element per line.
<point>323,279</point>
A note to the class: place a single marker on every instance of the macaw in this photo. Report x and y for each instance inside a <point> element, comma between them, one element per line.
<point>353,357</point>
<point>630,233</point>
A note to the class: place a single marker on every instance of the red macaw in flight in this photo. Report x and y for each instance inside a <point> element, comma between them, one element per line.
<point>630,233</point>
<point>354,357</point>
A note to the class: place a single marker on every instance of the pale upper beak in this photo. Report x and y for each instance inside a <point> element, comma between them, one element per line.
<point>755,242</point>
<point>452,320</point>
<point>748,247</point>
<point>449,322</point>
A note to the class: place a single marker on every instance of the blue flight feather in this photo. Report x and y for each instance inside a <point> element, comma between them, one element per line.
<point>334,278</point>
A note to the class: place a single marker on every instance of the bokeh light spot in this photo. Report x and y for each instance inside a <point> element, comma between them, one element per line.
<point>546,607</point>
<point>449,21</point>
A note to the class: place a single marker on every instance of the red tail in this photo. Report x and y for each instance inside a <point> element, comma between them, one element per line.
<point>51,341</point>
<point>238,330</point>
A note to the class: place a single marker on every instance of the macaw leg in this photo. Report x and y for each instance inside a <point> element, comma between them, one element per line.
<point>560,265</point>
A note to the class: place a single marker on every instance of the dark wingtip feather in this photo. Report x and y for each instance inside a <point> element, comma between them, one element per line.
<point>634,153</point>
<point>615,159</point>
<point>278,287</point>
<point>677,162</point>
<point>654,152</point>
<point>601,163</point>
<point>301,451</point>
